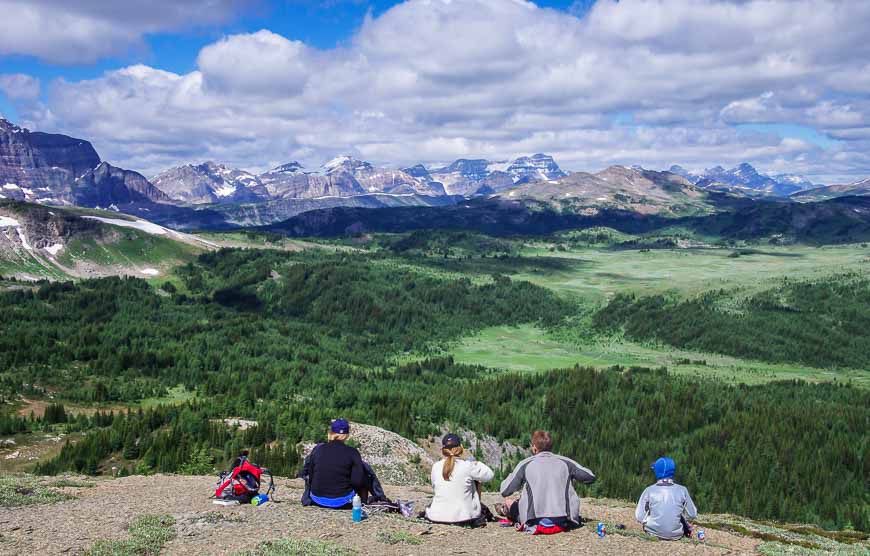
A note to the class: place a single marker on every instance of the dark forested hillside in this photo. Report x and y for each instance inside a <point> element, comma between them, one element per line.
<point>819,323</point>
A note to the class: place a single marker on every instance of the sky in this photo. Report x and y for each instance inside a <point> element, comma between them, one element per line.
<point>782,84</point>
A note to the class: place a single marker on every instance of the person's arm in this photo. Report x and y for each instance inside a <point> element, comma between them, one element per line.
<point>642,510</point>
<point>514,481</point>
<point>689,509</point>
<point>579,473</point>
<point>481,472</point>
<point>308,465</point>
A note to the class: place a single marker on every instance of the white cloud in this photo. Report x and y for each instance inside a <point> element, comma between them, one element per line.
<point>638,81</point>
<point>19,86</point>
<point>76,31</point>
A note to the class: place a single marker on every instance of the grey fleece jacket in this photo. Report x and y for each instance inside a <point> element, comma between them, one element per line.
<point>545,479</point>
<point>660,508</point>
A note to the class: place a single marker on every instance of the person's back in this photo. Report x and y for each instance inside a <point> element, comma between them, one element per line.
<point>665,507</point>
<point>545,479</point>
<point>335,470</point>
<point>456,499</point>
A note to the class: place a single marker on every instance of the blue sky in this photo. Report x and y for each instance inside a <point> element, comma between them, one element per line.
<point>785,86</point>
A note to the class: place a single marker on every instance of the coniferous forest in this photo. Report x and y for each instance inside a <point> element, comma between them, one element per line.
<point>292,340</point>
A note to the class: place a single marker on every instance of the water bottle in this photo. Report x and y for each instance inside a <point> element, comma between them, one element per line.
<point>601,529</point>
<point>259,499</point>
<point>701,535</point>
<point>357,508</point>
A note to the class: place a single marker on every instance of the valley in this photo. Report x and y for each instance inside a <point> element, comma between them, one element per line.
<point>629,311</point>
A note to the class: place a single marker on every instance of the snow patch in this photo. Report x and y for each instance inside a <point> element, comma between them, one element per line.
<point>54,249</point>
<point>11,186</point>
<point>150,271</point>
<point>143,225</point>
<point>5,221</point>
<point>225,191</point>
<point>336,162</point>
<point>23,237</point>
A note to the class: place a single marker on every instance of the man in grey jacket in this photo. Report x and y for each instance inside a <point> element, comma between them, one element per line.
<point>545,480</point>
<point>665,507</point>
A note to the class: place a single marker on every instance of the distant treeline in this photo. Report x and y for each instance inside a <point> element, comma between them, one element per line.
<point>822,323</point>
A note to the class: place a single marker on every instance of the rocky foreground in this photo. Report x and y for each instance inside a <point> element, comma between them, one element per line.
<point>76,515</point>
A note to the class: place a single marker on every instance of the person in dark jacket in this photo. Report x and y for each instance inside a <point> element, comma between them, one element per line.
<point>335,471</point>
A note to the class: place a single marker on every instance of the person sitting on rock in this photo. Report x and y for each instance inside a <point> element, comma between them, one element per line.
<point>334,472</point>
<point>665,507</point>
<point>456,483</point>
<point>549,503</point>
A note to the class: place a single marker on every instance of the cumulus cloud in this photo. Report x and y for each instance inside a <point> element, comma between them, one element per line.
<point>637,81</point>
<point>19,86</point>
<point>66,32</point>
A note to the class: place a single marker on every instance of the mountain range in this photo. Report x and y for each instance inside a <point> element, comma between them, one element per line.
<point>745,179</point>
<point>53,169</point>
<point>858,188</point>
<point>345,176</point>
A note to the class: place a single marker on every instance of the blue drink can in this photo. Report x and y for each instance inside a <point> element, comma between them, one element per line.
<point>601,529</point>
<point>701,535</point>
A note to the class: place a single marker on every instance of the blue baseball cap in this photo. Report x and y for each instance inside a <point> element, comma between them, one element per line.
<point>450,441</point>
<point>664,468</point>
<point>340,426</point>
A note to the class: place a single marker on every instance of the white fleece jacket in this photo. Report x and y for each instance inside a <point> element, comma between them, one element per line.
<point>457,500</point>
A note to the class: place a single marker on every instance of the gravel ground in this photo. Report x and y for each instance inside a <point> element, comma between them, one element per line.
<point>104,512</point>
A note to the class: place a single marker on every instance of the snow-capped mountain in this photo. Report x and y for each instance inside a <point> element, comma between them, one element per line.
<point>345,176</point>
<point>538,167</point>
<point>210,183</point>
<point>744,178</point>
<point>480,176</point>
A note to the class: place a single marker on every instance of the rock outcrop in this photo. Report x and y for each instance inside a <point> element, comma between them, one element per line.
<point>41,167</point>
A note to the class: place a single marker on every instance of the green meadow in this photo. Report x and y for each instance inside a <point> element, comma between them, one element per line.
<point>591,276</point>
<point>597,274</point>
<point>529,348</point>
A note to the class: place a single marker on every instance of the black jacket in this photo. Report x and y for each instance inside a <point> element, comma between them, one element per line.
<point>333,469</point>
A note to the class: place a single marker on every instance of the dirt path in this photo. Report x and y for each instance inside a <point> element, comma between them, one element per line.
<point>104,512</point>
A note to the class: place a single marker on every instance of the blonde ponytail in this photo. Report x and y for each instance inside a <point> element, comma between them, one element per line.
<point>450,455</point>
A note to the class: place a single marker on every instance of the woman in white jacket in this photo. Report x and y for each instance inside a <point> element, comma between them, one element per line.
<point>455,481</point>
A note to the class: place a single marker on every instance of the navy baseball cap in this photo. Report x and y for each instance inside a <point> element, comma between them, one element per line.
<point>450,441</point>
<point>340,426</point>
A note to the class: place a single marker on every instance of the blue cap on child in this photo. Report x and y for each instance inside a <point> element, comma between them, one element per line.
<point>664,468</point>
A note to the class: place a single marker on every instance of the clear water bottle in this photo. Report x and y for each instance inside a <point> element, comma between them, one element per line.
<point>357,508</point>
<point>259,499</point>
